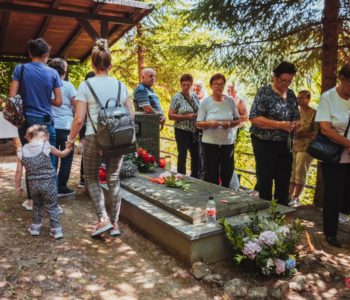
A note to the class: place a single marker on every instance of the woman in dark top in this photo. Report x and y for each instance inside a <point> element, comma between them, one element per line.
<point>275,117</point>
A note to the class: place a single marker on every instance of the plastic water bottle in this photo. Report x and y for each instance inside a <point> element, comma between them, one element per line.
<point>211,212</point>
<point>167,163</point>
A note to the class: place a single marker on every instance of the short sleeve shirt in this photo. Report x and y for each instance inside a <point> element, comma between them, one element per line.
<point>33,149</point>
<point>105,88</point>
<point>64,114</point>
<point>143,96</point>
<point>209,109</point>
<point>307,124</point>
<point>267,103</point>
<point>36,88</point>
<point>182,106</point>
<point>336,110</point>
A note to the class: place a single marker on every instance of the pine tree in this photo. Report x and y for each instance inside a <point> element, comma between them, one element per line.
<point>255,35</point>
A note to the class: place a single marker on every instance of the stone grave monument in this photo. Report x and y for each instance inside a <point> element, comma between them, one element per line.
<point>147,132</point>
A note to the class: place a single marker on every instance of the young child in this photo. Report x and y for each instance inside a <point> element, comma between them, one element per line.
<point>35,157</point>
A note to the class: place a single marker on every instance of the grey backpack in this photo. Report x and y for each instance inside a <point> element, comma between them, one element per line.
<point>115,132</point>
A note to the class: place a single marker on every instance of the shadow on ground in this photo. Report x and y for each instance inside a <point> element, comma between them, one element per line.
<point>131,267</point>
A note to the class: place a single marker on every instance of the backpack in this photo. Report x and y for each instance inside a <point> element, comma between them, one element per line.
<point>13,110</point>
<point>115,132</point>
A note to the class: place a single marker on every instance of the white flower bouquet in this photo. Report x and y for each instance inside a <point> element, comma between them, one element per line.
<point>269,242</point>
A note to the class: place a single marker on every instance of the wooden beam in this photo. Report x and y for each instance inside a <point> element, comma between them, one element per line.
<point>75,34</point>
<point>88,28</point>
<point>129,3</point>
<point>114,29</point>
<point>104,30</point>
<point>25,59</point>
<point>17,59</point>
<point>29,9</point>
<point>47,20</point>
<point>3,29</point>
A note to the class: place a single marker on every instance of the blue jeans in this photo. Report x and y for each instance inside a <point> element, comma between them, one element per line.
<point>51,129</point>
<point>66,162</point>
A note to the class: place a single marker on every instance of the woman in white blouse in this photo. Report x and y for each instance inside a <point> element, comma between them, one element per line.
<point>333,114</point>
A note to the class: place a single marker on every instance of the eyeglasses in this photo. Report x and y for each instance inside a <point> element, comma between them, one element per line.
<point>284,81</point>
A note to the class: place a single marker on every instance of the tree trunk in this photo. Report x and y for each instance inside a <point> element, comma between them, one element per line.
<point>140,50</point>
<point>329,57</point>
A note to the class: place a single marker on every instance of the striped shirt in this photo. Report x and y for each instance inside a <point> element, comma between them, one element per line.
<point>143,96</point>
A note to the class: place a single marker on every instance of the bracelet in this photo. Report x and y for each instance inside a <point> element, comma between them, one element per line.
<point>69,141</point>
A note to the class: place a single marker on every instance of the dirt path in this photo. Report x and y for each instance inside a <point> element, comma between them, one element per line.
<point>78,267</point>
<point>127,267</point>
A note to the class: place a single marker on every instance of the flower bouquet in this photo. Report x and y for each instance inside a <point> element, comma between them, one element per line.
<point>102,174</point>
<point>269,242</point>
<point>144,161</point>
<point>171,180</point>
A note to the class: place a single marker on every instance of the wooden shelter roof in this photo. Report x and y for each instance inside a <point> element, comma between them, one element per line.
<point>69,26</point>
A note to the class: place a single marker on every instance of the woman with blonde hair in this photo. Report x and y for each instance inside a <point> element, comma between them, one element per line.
<point>105,87</point>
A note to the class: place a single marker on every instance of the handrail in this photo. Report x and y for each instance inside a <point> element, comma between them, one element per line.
<point>250,172</point>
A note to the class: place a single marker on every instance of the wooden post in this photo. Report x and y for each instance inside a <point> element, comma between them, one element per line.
<point>140,50</point>
<point>331,25</point>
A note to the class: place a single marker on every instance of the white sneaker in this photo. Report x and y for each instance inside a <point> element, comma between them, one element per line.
<point>343,218</point>
<point>294,203</point>
<point>57,233</point>
<point>59,209</point>
<point>115,231</point>
<point>101,226</point>
<point>34,229</point>
<point>253,193</point>
<point>28,204</point>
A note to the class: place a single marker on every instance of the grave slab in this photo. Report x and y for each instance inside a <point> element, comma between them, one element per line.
<point>175,219</point>
<point>186,241</point>
<point>191,205</point>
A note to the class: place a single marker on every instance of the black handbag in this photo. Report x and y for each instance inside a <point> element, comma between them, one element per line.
<point>322,148</point>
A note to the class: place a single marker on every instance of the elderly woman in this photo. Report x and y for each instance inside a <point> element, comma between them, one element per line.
<point>105,87</point>
<point>183,110</point>
<point>199,90</point>
<point>217,116</point>
<point>333,117</point>
<point>275,117</point>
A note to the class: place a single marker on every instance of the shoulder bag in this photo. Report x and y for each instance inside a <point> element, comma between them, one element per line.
<point>322,148</point>
<point>115,131</point>
<point>14,110</point>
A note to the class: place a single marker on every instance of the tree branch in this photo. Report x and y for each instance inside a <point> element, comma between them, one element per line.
<point>318,48</point>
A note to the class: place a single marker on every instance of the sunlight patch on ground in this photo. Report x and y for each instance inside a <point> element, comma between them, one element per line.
<point>93,288</point>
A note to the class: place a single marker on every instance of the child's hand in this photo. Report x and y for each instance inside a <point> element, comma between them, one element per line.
<point>19,191</point>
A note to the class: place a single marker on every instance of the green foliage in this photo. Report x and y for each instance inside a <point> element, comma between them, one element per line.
<point>6,70</point>
<point>175,182</point>
<point>256,35</point>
